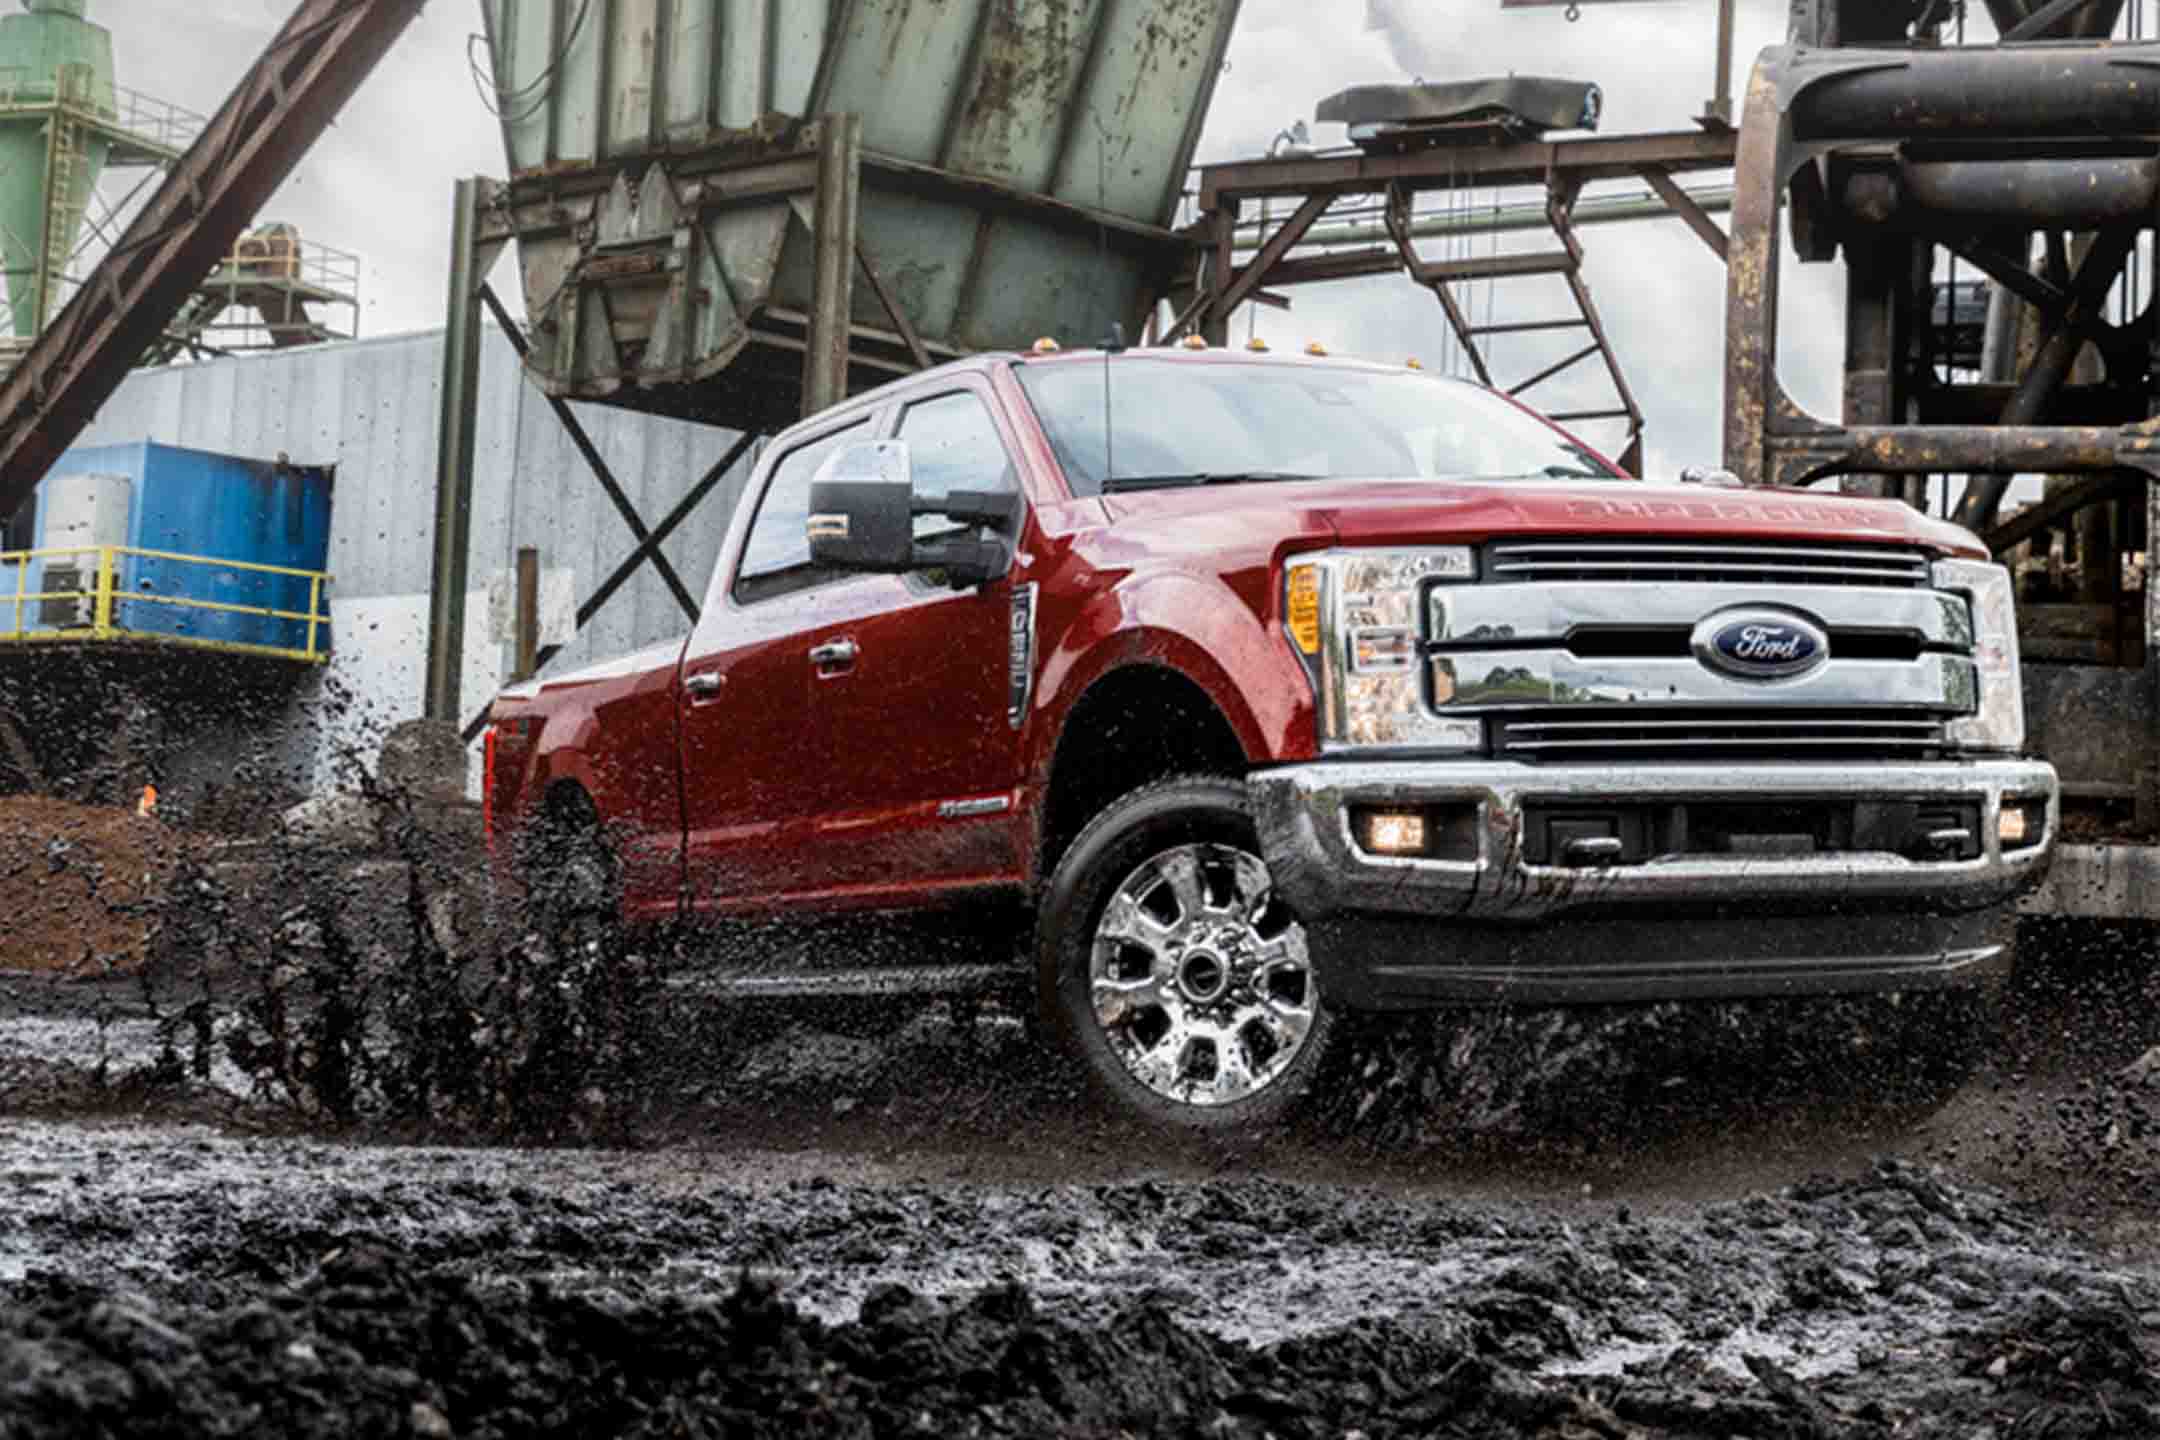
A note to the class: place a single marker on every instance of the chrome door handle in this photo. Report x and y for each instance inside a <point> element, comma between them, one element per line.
<point>835,652</point>
<point>703,687</point>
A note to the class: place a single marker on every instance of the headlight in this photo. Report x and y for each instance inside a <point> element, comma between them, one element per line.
<point>1352,616</point>
<point>1999,724</point>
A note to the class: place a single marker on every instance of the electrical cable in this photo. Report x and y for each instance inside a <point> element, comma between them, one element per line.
<point>540,88</point>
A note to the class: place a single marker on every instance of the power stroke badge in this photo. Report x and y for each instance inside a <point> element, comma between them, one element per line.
<point>1020,655</point>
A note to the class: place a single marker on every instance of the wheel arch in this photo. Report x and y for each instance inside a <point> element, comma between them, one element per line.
<point>1134,724</point>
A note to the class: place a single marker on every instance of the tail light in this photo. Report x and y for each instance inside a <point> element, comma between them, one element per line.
<point>487,785</point>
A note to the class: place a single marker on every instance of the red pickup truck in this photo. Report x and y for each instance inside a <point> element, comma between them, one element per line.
<point>1217,694</point>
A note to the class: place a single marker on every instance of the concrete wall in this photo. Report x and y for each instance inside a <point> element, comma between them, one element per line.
<point>369,408</point>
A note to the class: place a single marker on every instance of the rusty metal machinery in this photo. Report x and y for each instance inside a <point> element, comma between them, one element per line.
<point>288,97</point>
<point>1876,137</point>
<point>1892,157</point>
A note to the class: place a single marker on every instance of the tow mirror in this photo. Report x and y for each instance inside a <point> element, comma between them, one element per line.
<point>862,517</point>
<point>862,508</point>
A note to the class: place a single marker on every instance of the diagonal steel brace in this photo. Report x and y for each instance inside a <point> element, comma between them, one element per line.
<point>599,466</point>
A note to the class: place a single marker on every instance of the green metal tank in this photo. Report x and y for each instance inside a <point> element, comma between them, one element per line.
<point>53,62</point>
<point>1021,164</point>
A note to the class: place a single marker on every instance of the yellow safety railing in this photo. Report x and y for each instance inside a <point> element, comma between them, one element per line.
<point>96,591</point>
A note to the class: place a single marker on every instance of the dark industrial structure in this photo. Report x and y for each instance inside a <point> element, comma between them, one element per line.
<point>1877,137</point>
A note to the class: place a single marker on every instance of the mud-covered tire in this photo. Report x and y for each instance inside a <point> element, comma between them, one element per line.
<point>573,885</point>
<point>1193,1004</point>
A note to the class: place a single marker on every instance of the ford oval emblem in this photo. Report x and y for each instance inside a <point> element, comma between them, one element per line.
<point>1760,644</point>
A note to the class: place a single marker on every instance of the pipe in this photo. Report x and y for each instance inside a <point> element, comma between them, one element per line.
<point>2067,194</point>
<point>2087,93</point>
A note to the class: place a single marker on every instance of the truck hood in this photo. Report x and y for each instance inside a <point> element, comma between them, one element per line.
<point>1363,512</point>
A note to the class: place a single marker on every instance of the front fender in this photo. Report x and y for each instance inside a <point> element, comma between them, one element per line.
<point>1201,628</point>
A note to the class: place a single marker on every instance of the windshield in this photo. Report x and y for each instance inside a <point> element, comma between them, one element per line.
<point>1178,422</point>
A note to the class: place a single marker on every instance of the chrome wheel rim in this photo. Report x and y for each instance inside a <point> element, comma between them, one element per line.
<point>1199,976</point>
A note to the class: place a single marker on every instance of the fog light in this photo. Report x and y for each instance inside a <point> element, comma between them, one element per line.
<point>1395,832</point>
<point>2010,825</point>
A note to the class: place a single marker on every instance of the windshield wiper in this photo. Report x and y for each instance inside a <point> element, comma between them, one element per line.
<point>1199,477</point>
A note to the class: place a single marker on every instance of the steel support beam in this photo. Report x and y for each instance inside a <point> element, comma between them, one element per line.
<point>1683,204</point>
<point>1514,218</point>
<point>1720,109</point>
<point>469,263</point>
<point>2065,335</point>
<point>891,302</point>
<point>1604,157</point>
<point>2063,503</point>
<point>287,98</point>
<point>1272,250</point>
<point>594,461</point>
<point>832,286</point>
<point>646,549</point>
<point>2047,19</point>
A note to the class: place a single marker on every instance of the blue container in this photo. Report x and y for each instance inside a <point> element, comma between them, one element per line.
<point>213,508</point>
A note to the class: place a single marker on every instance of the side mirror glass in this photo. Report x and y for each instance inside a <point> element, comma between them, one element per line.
<point>862,508</point>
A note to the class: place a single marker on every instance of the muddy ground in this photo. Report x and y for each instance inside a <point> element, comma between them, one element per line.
<point>892,1225</point>
<point>287,1180</point>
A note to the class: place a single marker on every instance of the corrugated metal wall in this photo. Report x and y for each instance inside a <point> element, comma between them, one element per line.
<point>370,409</point>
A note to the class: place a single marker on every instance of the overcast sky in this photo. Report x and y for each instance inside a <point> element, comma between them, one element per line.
<point>380,182</point>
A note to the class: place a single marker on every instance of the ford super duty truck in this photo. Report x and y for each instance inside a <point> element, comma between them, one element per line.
<point>1233,692</point>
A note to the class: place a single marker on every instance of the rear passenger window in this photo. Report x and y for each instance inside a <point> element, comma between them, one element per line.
<point>953,445</point>
<point>776,558</point>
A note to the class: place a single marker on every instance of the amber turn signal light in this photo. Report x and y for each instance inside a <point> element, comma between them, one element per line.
<point>1303,607</point>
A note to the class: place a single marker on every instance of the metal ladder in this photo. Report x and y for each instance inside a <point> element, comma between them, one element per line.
<point>63,141</point>
<point>1438,275</point>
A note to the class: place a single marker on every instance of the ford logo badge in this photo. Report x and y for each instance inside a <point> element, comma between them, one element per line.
<point>1760,644</point>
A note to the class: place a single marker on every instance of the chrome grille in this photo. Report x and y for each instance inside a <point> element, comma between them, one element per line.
<point>1573,734</point>
<point>1677,561</point>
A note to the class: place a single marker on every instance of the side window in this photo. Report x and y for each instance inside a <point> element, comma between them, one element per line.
<point>776,559</point>
<point>953,445</point>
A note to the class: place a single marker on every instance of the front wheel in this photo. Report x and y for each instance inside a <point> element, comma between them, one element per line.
<point>1171,967</point>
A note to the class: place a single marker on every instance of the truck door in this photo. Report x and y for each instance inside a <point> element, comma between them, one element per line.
<point>910,689</point>
<point>749,755</point>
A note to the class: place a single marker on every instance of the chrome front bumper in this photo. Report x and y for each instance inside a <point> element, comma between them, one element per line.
<point>1303,814</point>
<point>1396,934</point>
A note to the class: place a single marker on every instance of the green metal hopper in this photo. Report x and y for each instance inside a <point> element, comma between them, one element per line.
<point>1018,165</point>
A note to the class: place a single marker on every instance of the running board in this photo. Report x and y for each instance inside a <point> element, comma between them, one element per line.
<point>867,982</point>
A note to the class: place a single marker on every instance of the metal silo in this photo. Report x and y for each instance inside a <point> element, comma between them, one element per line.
<point>54,64</point>
<point>999,169</point>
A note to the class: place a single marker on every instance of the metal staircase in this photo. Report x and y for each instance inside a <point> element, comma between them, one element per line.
<point>1438,275</point>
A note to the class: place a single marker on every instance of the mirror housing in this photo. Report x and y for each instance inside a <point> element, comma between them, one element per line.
<point>862,517</point>
<point>861,509</point>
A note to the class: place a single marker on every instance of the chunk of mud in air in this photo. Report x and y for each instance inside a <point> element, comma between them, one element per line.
<point>374,1343</point>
